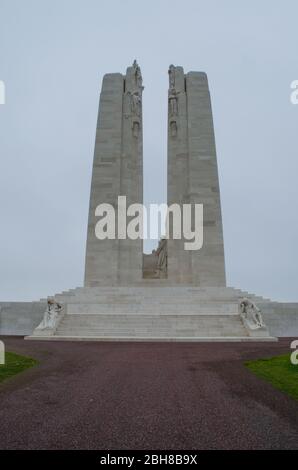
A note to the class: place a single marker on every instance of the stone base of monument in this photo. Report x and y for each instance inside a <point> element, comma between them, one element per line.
<point>154,312</point>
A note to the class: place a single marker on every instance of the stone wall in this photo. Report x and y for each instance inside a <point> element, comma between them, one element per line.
<point>20,318</point>
<point>281,318</point>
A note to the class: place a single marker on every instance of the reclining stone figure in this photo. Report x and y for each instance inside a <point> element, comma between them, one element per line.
<point>251,314</point>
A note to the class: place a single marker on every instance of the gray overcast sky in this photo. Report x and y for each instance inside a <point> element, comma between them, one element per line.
<point>53,55</point>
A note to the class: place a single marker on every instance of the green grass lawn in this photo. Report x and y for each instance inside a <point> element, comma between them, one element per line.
<point>14,364</point>
<point>279,372</point>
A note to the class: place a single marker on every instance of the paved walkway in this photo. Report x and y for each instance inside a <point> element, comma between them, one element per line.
<point>144,396</point>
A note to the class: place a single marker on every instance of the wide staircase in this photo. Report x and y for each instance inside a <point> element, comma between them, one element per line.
<point>152,311</point>
<point>146,326</point>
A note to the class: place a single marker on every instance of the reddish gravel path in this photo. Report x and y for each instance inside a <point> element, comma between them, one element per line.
<point>144,396</point>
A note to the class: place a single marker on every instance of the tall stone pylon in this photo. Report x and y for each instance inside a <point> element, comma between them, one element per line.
<point>193,178</point>
<point>117,171</point>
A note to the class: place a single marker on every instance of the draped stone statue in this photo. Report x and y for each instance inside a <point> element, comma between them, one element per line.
<point>161,253</point>
<point>135,103</point>
<point>173,102</point>
<point>135,128</point>
<point>251,314</point>
<point>172,76</point>
<point>173,128</point>
<point>50,316</point>
<point>138,75</point>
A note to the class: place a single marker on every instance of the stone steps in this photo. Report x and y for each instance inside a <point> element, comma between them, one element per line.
<point>150,326</point>
<point>163,339</point>
<point>152,290</point>
<point>152,311</point>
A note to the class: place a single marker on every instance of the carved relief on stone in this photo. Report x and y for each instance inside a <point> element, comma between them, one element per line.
<point>132,105</point>
<point>173,102</point>
<point>173,128</point>
<point>135,103</point>
<point>251,314</point>
<point>135,128</point>
<point>133,100</point>
<point>162,258</point>
<point>171,76</point>
<point>137,75</point>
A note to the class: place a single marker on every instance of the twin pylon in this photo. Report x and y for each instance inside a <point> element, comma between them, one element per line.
<point>192,178</point>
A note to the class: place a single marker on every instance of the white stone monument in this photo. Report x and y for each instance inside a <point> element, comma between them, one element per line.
<point>174,294</point>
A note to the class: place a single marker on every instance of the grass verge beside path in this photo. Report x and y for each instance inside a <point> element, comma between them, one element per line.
<point>279,371</point>
<point>14,364</point>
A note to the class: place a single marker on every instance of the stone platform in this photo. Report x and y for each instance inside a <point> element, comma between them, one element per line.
<point>152,311</point>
